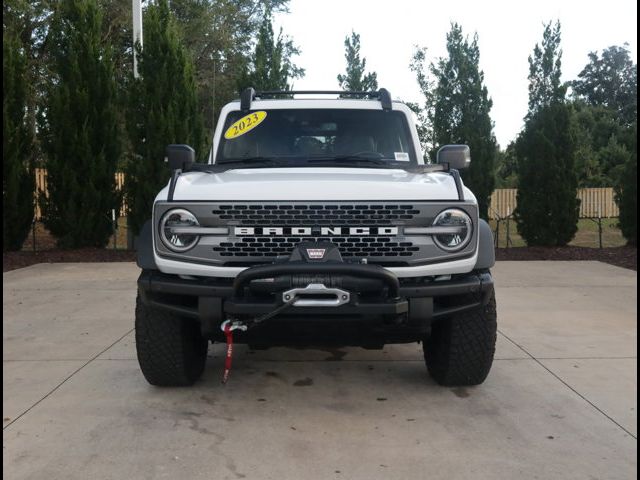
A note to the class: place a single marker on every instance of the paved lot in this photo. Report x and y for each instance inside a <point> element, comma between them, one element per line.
<point>560,402</point>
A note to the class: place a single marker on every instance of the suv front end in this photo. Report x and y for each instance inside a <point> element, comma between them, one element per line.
<point>307,248</point>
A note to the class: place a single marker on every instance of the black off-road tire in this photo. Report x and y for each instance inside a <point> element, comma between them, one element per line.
<point>460,350</point>
<point>171,350</point>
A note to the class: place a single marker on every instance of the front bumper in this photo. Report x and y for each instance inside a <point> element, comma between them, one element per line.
<point>177,267</point>
<point>381,308</point>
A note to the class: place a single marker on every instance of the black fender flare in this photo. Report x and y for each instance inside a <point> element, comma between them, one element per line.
<point>486,248</point>
<point>144,250</point>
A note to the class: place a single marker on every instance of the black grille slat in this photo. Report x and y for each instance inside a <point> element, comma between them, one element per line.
<point>289,214</point>
<point>348,246</point>
<point>265,248</point>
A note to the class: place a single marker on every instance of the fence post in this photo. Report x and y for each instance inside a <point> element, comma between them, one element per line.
<point>114,226</point>
<point>600,231</point>
<point>130,239</point>
<point>33,233</point>
<point>599,227</point>
<point>508,225</point>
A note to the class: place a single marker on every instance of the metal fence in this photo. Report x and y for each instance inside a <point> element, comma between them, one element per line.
<point>595,202</point>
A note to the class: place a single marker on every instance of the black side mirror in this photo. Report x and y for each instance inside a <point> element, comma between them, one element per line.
<point>180,157</point>
<point>457,156</point>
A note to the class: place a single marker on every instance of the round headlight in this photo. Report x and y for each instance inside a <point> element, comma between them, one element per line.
<point>461,231</point>
<point>173,220</point>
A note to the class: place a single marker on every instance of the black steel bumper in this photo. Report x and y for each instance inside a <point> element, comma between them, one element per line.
<point>381,309</point>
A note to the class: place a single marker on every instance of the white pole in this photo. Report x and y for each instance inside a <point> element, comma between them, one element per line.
<point>136,8</point>
<point>137,32</point>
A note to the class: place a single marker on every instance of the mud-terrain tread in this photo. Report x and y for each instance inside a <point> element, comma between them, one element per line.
<point>460,350</point>
<point>171,351</point>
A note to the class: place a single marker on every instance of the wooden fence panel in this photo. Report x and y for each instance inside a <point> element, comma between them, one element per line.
<point>41,186</point>
<point>119,187</point>
<point>594,203</point>
<point>503,202</point>
<point>598,203</point>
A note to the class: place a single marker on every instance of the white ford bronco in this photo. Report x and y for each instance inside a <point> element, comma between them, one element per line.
<point>315,222</point>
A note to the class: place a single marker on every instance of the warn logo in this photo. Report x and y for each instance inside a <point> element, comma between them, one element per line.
<point>316,253</point>
<point>308,231</point>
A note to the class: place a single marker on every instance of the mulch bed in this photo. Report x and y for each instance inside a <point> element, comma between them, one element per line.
<point>626,257</point>
<point>13,260</point>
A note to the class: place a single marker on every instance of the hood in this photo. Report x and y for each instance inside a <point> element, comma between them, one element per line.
<point>311,183</point>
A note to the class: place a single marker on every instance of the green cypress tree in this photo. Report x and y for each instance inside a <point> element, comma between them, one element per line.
<point>164,110</point>
<point>80,130</point>
<point>461,112</point>
<point>627,193</point>
<point>355,78</point>
<point>424,112</point>
<point>547,211</point>
<point>17,145</point>
<point>272,68</point>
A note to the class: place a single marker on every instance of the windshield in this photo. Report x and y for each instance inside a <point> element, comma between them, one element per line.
<point>298,137</point>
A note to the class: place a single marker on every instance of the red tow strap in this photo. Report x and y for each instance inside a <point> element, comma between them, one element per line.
<point>228,326</point>
<point>228,333</point>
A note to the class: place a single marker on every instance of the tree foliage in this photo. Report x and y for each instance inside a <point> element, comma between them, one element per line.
<point>610,80</point>
<point>595,127</point>
<point>17,143</point>
<point>80,128</point>
<point>220,35</point>
<point>506,167</point>
<point>161,112</point>
<point>627,193</point>
<point>30,20</point>
<point>424,111</point>
<point>272,67</point>
<point>545,69</point>
<point>355,77</point>
<point>605,99</point>
<point>461,112</point>
<point>547,211</point>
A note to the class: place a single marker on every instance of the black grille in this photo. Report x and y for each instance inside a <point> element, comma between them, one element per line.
<point>295,214</point>
<point>349,246</point>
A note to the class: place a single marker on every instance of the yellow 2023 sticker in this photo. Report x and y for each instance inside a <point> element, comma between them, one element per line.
<point>245,124</point>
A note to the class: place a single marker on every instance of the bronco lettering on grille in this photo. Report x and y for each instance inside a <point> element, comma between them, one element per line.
<point>308,231</point>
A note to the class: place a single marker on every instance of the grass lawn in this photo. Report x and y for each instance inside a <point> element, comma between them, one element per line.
<point>586,236</point>
<point>45,241</point>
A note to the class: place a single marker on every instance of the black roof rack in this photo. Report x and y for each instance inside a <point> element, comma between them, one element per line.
<point>250,94</point>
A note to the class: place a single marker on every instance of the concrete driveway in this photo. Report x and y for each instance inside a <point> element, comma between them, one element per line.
<point>560,402</point>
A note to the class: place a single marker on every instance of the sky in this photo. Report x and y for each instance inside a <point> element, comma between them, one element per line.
<point>507,31</point>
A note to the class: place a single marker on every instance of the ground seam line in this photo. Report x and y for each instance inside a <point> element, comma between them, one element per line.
<point>17,360</point>
<point>585,358</point>
<point>571,388</point>
<point>565,286</point>
<point>64,381</point>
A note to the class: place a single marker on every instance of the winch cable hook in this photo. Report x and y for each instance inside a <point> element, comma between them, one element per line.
<point>228,326</point>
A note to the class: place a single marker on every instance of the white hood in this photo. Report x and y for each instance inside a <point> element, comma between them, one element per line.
<point>271,184</point>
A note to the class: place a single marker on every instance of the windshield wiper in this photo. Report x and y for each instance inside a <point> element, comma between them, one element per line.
<point>250,160</point>
<point>352,160</point>
<point>357,159</point>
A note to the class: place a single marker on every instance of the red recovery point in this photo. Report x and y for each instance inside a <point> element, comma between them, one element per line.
<point>228,327</point>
